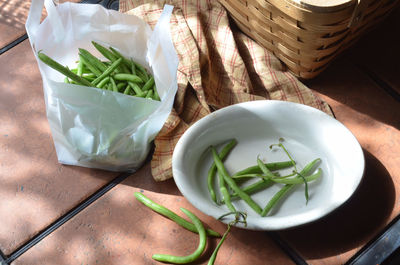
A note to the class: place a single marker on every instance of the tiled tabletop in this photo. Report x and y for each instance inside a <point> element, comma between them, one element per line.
<point>43,213</point>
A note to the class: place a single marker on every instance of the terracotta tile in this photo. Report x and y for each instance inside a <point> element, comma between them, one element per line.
<point>117,229</point>
<point>35,189</point>
<point>372,115</point>
<point>13,15</point>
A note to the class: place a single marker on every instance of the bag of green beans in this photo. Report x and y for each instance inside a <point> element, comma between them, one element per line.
<point>106,118</point>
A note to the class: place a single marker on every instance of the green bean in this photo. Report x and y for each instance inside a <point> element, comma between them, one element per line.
<point>91,67</point>
<point>196,254</point>
<point>285,189</point>
<point>105,52</point>
<point>142,73</point>
<point>92,59</point>
<point>121,85</point>
<point>80,68</point>
<point>271,166</point>
<point>268,174</point>
<point>127,66</point>
<point>211,172</point>
<point>113,85</point>
<point>103,82</point>
<point>233,185</point>
<point>253,188</point>
<point>127,90</point>
<point>128,77</point>
<point>294,165</point>
<point>88,77</point>
<point>149,84</point>
<point>84,70</point>
<point>133,68</point>
<point>156,95</point>
<point>226,197</point>
<point>136,88</point>
<point>108,71</point>
<point>64,70</point>
<point>149,94</point>
<point>274,200</point>
<point>170,215</point>
<point>298,180</point>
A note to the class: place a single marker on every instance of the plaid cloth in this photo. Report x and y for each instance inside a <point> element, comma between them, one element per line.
<point>218,66</point>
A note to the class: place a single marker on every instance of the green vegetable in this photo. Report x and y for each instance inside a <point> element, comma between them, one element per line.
<point>105,52</point>
<point>89,66</point>
<point>232,183</point>
<point>211,172</point>
<point>108,71</point>
<point>103,82</point>
<point>171,215</point>
<point>149,84</point>
<point>64,70</point>
<point>280,194</point>
<point>230,224</point>
<point>92,59</point>
<point>271,166</point>
<point>128,77</point>
<point>196,254</point>
<point>119,74</point>
<point>136,89</point>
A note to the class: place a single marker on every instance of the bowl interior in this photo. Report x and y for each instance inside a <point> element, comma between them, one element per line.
<point>308,134</point>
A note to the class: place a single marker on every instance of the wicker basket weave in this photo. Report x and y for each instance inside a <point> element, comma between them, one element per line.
<point>303,36</point>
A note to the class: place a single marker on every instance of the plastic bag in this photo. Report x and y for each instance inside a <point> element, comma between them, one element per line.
<point>93,127</point>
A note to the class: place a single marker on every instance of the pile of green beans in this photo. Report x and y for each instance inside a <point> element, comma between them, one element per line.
<point>268,174</point>
<point>116,73</point>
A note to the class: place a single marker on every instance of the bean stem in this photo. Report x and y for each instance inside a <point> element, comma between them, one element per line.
<point>237,220</point>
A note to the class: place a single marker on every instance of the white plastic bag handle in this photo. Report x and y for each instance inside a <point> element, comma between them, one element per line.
<point>33,20</point>
<point>162,33</point>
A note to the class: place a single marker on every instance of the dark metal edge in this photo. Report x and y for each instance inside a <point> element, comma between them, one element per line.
<point>69,215</point>
<point>367,254</point>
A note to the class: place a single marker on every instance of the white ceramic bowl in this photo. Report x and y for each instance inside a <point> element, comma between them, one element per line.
<point>308,133</point>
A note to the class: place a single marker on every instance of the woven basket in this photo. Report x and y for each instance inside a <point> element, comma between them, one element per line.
<point>307,34</point>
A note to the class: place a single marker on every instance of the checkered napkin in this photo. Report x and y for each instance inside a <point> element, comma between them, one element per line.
<point>218,66</point>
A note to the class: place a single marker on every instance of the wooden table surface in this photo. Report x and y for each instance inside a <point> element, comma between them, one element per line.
<point>56,214</point>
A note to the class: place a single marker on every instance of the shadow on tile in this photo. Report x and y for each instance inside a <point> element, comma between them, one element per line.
<point>353,224</point>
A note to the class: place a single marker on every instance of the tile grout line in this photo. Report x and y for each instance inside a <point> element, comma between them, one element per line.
<point>380,82</point>
<point>293,254</point>
<point>63,219</point>
<point>13,43</point>
<point>2,259</point>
